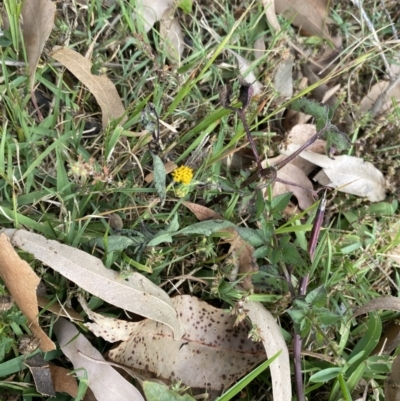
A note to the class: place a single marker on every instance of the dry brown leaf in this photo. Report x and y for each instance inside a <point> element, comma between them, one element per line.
<point>347,174</point>
<point>64,381</point>
<point>105,382</point>
<point>273,341</point>
<point>390,339</point>
<point>38,20</point>
<point>392,383</point>
<point>136,293</point>
<point>99,86</point>
<point>21,282</point>
<point>269,7</point>
<point>212,353</point>
<point>171,34</point>
<point>243,253</point>
<point>151,12</point>
<point>383,303</point>
<point>308,15</point>
<point>369,100</point>
<point>201,212</point>
<point>291,173</point>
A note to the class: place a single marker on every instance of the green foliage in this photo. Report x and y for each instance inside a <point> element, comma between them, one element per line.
<point>159,392</point>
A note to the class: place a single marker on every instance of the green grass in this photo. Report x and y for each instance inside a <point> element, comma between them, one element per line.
<point>45,186</point>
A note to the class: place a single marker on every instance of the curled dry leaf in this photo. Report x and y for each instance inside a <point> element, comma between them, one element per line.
<point>212,354</point>
<point>21,282</point>
<point>269,7</point>
<point>248,75</point>
<point>105,382</point>
<point>347,174</point>
<point>38,20</point>
<point>136,293</point>
<point>201,212</point>
<point>151,12</point>
<point>383,303</point>
<point>273,342</point>
<point>308,15</point>
<point>171,34</point>
<point>99,86</point>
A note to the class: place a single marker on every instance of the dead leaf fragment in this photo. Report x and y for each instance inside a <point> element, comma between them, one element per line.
<point>377,90</point>
<point>212,353</point>
<point>382,303</point>
<point>41,375</point>
<point>308,15</point>
<point>21,282</point>
<point>171,34</point>
<point>201,212</point>
<point>283,82</point>
<point>136,293</point>
<point>105,382</point>
<point>63,380</point>
<point>99,86</point>
<point>38,20</point>
<point>273,341</point>
<point>392,383</point>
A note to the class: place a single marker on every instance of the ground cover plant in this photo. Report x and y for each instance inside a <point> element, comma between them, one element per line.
<point>199,200</point>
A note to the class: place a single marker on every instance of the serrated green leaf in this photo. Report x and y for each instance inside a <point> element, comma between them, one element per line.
<point>252,236</point>
<point>206,227</point>
<point>279,203</point>
<point>159,177</point>
<point>291,255</point>
<point>317,297</point>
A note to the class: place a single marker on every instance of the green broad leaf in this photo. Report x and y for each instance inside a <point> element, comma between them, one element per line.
<point>115,243</point>
<point>159,177</point>
<point>206,227</point>
<point>252,236</point>
<point>337,140</point>
<point>5,347</point>
<point>325,375</point>
<point>327,317</point>
<point>317,297</point>
<point>296,315</point>
<point>159,392</point>
<point>186,6</point>
<point>291,255</point>
<point>261,252</point>
<point>279,203</point>
<point>160,238</point>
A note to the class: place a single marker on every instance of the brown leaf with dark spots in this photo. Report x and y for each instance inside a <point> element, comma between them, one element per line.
<point>21,282</point>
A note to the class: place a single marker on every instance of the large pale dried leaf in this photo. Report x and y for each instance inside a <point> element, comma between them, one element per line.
<point>369,100</point>
<point>105,382</point>
<point>38,20</point>
<point>21,282</point>
<point>99,86</point>
<point>248,75</point>
<point>283,82</point>
<point>171,35</point>
<point>274,342</point>
<point>382,303</point>
<point>151,12</point>
<point>136,293</point>
<point>212,353</point>
<point>392,383</point>
<point>308,15</point>
<point>269,7</point>
<point>348,174</point>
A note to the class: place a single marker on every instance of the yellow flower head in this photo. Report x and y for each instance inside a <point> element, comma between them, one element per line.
<point>183,174</point>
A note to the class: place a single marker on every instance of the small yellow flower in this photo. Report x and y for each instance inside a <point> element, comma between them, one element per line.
<point>183,174</point>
